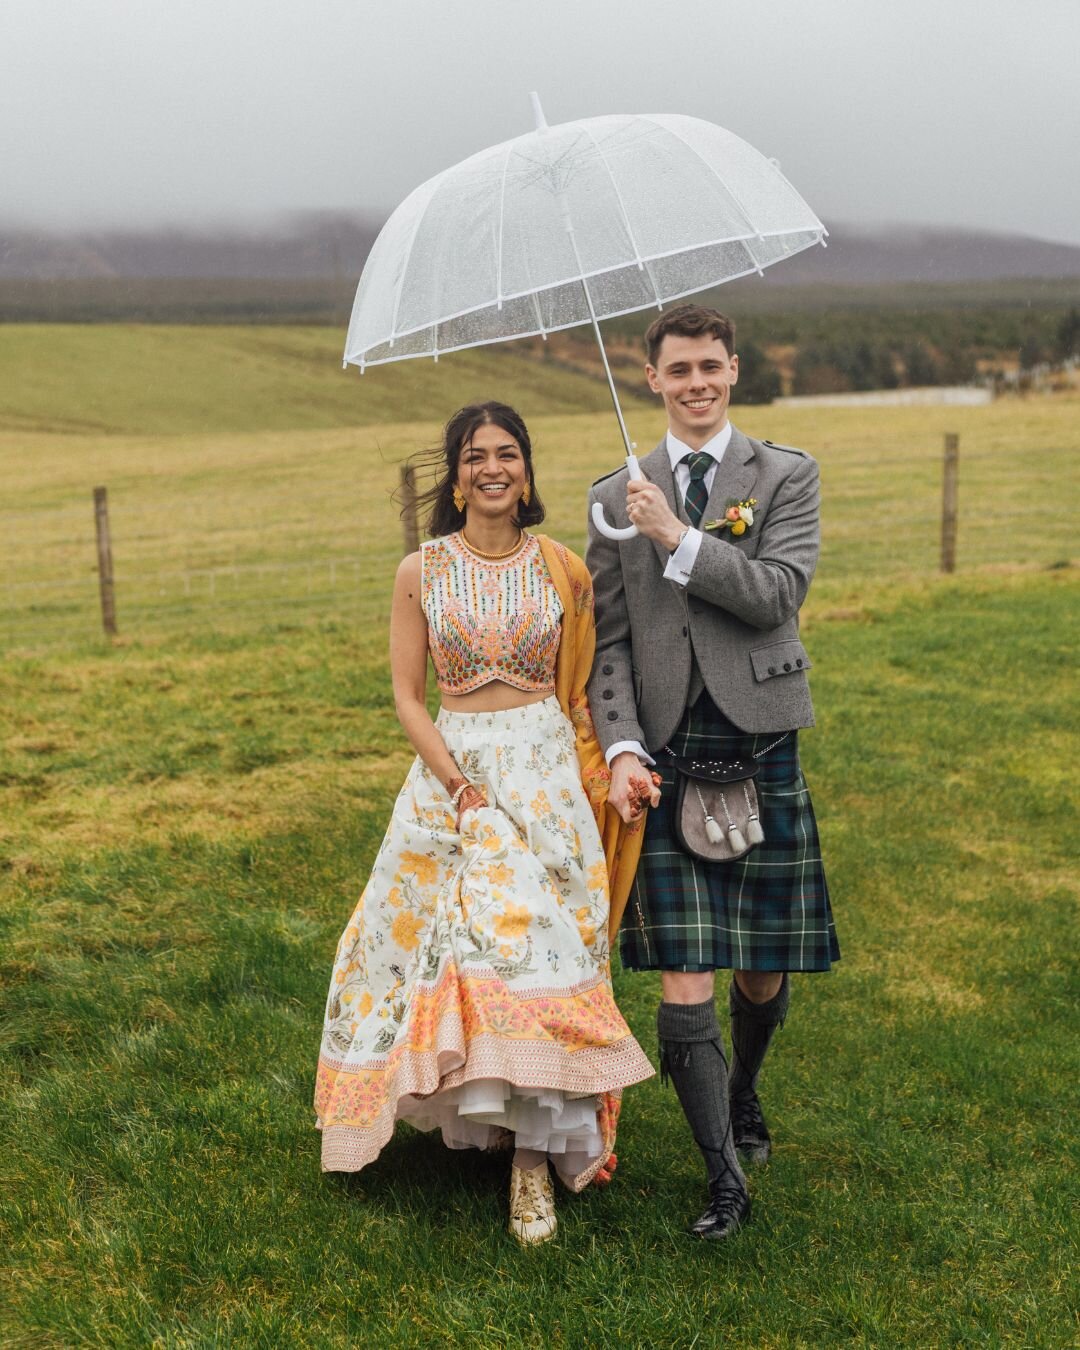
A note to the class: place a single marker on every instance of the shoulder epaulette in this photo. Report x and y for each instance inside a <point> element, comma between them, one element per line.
<point>791,449</point>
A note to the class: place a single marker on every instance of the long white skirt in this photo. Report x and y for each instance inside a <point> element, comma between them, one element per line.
<point>472,990</point>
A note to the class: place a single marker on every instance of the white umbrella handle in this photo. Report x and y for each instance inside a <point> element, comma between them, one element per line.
<point>611,531</point>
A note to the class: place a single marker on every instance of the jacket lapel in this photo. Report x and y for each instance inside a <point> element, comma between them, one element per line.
<point>735,476</point>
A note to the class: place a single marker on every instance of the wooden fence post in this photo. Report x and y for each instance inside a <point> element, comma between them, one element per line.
<point>409,525</point>
<point>949,501</point>
<point>104,557</point>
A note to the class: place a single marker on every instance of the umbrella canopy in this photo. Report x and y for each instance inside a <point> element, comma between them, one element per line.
<point>643,209</point>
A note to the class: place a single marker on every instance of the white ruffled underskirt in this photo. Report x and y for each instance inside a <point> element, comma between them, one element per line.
<point>560,1124</point>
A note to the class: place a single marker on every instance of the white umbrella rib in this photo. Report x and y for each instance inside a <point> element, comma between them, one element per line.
<point>408,254</point>
<point>643,266</point>
<point>734,197</point>
<point>502,208</point>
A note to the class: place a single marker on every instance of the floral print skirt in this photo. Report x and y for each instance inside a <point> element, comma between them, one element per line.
<point>472,989</point>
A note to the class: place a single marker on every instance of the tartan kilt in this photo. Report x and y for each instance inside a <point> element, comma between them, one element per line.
<point>768,910</point>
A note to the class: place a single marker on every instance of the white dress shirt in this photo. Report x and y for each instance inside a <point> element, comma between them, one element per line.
<point>681,563</point>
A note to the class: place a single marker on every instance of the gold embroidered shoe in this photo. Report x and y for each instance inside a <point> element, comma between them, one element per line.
<point>532,1205</point>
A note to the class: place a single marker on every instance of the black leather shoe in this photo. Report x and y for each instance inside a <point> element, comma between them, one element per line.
<point>729,1208</point>
<point>748,1129</point>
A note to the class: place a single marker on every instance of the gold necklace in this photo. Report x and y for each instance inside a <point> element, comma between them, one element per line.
<point>492,557</point>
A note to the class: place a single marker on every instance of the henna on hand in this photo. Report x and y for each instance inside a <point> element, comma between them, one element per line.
<point>643,791</point>
<point>471,800</point>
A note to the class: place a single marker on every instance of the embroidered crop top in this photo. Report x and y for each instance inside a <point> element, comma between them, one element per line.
<point>490,620</point>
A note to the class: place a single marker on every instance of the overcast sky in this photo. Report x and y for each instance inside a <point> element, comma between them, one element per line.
<point>144,112</point>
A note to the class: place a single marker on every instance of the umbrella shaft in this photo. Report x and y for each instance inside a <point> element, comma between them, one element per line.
<point>607,368</point>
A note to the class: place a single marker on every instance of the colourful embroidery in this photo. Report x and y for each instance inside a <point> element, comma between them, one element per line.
<point>490,620</point>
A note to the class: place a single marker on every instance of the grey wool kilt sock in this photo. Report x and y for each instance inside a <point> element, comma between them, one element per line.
<point>752,1027</point>
<point>692,1056</point>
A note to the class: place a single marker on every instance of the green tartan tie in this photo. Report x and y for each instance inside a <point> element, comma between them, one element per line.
<point>697,494</point>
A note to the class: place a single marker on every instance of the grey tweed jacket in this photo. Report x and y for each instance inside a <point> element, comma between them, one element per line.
<point>734,626</point>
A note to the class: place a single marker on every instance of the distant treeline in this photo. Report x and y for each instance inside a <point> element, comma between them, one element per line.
<point>895,336</point>
<point>803,340</point>
<point>175,300</point>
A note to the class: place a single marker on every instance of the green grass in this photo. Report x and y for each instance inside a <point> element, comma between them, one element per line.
<point>186,818</point>
<point>174,380</point>
<point>185,829</point>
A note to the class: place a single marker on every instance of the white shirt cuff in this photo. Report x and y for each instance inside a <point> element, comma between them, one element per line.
<point>635,748</point>
<point>681,562</point>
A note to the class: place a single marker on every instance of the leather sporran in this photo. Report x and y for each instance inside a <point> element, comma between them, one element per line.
<point>716,808</point>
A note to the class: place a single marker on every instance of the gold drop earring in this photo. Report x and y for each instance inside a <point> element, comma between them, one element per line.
<point>459,499</point>
<point>526,495</point>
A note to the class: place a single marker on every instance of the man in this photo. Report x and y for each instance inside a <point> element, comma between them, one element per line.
<point>698,653</point>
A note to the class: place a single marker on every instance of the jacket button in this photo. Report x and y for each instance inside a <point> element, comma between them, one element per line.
<point>787,665</point>
<point>685,630</point>
<point>607,670</point>
<point>772,670</point>
<point>798,661</point>
<point>613,717</point>
<point>608,693</point>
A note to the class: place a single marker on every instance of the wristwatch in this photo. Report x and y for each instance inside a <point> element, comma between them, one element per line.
<point>686,531</point>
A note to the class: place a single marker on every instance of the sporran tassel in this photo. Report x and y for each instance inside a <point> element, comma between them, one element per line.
<point>754,832</point>
<point>735,835</point>
<point>713,831</point>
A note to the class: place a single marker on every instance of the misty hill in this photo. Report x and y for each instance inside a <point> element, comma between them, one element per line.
<point>327,247</point>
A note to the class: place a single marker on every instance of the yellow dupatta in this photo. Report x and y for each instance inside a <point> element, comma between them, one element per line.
<point>577,647</point>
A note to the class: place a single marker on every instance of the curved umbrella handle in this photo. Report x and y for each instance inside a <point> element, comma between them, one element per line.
<point>612,531</point>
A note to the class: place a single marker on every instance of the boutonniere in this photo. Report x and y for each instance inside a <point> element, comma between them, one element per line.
<point>738,517</point>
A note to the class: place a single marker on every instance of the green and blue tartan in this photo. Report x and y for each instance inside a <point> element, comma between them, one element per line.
<point>768,910</point>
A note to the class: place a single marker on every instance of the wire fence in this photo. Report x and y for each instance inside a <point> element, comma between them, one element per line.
<point>196,564</point>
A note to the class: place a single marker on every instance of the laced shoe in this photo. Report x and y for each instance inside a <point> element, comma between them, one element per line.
<point>532,1205</point>
<point>728,1210</point>
<point>748,1128</point>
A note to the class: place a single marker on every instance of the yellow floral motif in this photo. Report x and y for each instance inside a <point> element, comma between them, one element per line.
<point>406,930</point>
<point>513,922</point>
<point>596,878</point>
<point>394,897</point>
<point>540,804</point>
<point>498,874</point>
<point>364,1006</point>
<point>586,927</point>
<point>425,869</point>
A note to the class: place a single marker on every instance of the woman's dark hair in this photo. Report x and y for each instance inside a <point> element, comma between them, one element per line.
<point>442,461</point>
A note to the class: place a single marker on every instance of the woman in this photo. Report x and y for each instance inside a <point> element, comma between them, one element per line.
<point>472,987</point>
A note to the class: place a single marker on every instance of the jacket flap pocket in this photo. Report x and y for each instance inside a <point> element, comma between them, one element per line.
<point>779,658</point>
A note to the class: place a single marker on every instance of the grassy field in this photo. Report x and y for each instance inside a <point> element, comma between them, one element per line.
<point>186,818</point>
<point>291,515</point>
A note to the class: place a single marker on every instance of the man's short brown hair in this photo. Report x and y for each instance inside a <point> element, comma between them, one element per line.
<point>689,321</point>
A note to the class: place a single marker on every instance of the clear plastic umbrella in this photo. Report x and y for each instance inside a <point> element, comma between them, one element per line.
<point>568,225</point>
